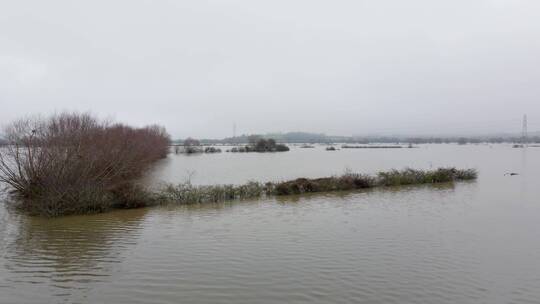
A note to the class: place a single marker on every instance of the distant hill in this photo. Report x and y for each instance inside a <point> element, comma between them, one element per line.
<point>292,137</point>
<point>306,137</point>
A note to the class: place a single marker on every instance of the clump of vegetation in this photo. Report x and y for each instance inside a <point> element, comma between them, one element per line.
<point>261,145</point>
<point>131,195</point>
<point>465,174</point>
<point>74,163</point>
<point>348,181</point>
<point>187,193</point>
<point>281,148</point>
<point>353,181</point>
<point>412,176</point>
<point>192,146</point>
<point>331,148</point>
<point>212,150</point>
<point>192,150</point>
<point>237,149</point>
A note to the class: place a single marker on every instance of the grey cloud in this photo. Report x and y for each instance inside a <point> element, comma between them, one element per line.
<point>339,67</point>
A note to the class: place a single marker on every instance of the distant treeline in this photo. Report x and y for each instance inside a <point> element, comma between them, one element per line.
<point>303,137</point>
<point>255,144</point>
<point>471,140</point>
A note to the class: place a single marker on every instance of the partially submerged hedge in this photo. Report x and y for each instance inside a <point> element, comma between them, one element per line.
<point>189,194</point>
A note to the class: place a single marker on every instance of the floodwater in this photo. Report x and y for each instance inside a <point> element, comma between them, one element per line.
<point>473,242</point>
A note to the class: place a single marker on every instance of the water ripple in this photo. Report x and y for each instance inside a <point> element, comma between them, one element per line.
<point>466,243</point>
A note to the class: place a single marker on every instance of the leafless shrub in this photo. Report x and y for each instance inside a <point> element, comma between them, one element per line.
<point>71,162</point>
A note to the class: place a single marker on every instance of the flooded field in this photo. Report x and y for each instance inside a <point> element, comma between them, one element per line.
<point>474,242</point>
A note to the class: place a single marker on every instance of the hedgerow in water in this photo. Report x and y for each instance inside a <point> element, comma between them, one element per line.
<point>187,193</point>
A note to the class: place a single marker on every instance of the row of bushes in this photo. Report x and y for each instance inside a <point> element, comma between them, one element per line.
<point>130,195</point>
<point>195,149</point>
<point>347,181</point>
<point>352,181</point>
<point>189,194</point>
<point>75,163</point>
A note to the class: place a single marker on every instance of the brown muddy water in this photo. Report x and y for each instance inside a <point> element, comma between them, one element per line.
<point>475,242</point>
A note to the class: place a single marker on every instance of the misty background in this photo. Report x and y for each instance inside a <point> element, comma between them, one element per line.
<point>336,67</point>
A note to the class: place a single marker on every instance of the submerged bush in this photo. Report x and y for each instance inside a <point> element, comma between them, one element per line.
<point>212,150</point>
<point>412,176</point>
<point>193,150</point>
<point>131,195</point>
<point>72,199</point>
<point>282,148</point>
<point>189,194</point>
<point>304,185</point>
<point>74,163</point>
<point>466,174</point>
<point>353,181</point>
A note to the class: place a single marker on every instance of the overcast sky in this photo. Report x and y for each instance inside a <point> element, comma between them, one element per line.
<point>337,67</point>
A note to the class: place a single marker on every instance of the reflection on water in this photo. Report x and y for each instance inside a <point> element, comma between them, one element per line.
<point>473,242</point>
<point>68,253</point>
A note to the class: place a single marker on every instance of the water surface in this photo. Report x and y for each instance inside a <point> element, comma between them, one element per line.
<point>474,242</point>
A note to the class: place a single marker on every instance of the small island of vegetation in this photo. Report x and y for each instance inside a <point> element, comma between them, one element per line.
<point>193,146</point>
<point>261,145</point>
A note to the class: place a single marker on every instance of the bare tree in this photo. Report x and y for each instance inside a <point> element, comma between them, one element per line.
<point>71,163</point>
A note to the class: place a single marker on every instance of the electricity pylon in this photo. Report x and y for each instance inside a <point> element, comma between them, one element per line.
<point>524,135</point>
